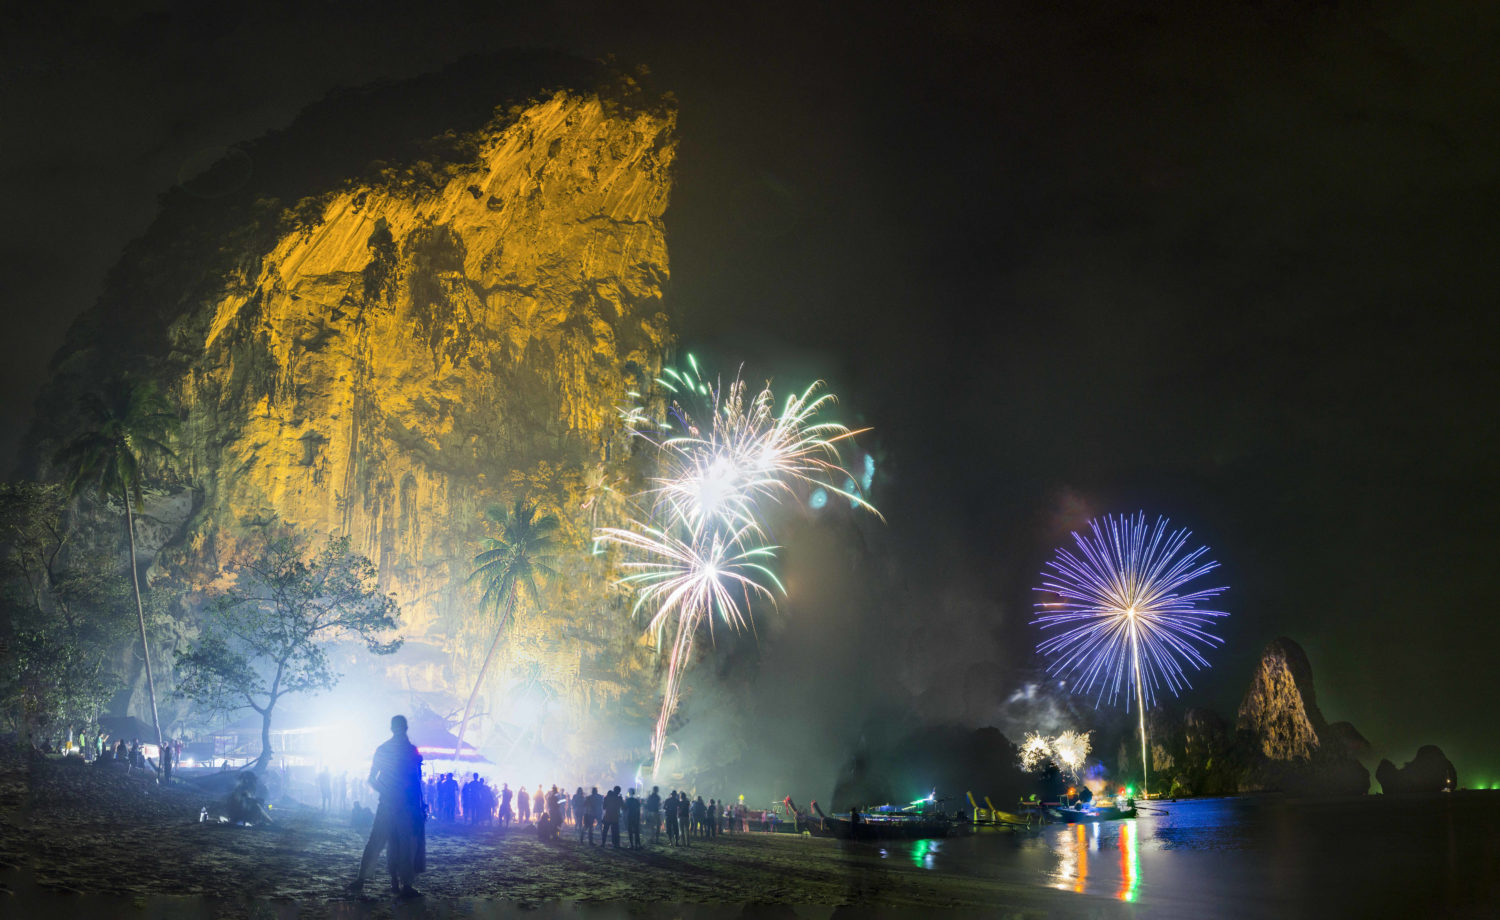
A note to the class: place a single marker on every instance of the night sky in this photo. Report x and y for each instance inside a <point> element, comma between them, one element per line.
<point>1231,262</point>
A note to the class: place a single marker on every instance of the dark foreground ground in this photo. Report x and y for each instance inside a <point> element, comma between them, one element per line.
<point>76,841</point>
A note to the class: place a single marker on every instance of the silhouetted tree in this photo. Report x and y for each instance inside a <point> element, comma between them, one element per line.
<point>509,564</point>
<point>128,425</point>
<point>64,615</point>
<point>265,638</point>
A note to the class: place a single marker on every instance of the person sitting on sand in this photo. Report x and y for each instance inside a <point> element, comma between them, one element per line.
<point>243,807</point>
<point>396,773</point>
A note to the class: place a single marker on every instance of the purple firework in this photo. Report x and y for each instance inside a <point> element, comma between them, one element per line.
<point>1126,625</point>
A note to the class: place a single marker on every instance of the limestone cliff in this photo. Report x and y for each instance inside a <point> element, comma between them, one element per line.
<point>424,299</point>
<point>1281,709</point>
<point>1281,741</point>
<point>1429,772</point>
<point>1289,744</point>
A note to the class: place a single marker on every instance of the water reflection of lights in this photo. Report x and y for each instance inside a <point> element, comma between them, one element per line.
<point>922,854</point>
<point>1073,846</point>
<point>1073,865</point>
<point>1130,862</point>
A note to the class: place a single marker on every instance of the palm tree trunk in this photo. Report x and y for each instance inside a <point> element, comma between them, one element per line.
<point>140,611</point>
<point>510,606</point>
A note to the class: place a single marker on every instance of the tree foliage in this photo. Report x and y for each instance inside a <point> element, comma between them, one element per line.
<point>64,612</point>
<point>127,427</point>
<point>268,635</point>
<point>507,567</point>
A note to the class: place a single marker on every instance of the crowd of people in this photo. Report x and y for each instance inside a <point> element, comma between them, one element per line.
<point>678,816</point>
<point>408,802</point>
<point>132,757</point>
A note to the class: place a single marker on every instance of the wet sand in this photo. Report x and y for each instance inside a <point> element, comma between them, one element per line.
<point>76,841</point>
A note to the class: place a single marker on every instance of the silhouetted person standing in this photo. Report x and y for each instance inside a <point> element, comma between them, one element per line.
<point>396,773</point>
<point>523,806</point>
<point>578,810</point>
<point>593,810</point>
<point>684,818</point>
<point>609,815</point>
<point>671,809</point>
<point>653,813</point>
<point>505,813</point>
<point>633,819</point>
<point>325,789</point>
<point>472,799</point>
<point>697,810</point>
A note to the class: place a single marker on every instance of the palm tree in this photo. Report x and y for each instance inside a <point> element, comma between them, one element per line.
<point>126,425</point>
<point>524,552</point>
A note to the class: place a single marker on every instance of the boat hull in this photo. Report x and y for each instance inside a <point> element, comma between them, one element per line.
<point>844,829</point>
<point>1083,816</point>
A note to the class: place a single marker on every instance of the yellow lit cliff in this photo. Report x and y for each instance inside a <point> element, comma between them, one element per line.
<point>394,350</point>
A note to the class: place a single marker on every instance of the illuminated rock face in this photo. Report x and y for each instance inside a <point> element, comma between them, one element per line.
<point>393,364</point>
<point>1280,708</point>
<point>400,354</point>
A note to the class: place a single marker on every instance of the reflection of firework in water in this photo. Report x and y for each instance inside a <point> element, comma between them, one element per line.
<point>1125,626</point>
<point>704,556</point>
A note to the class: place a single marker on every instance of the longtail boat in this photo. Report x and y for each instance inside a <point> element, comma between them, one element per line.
<point>1085,813</point>
<point>884,825</point>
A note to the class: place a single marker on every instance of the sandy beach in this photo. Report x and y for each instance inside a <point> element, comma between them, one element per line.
<point>87,841</point>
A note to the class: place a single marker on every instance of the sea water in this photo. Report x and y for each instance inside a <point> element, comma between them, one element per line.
<point>1377,856</point>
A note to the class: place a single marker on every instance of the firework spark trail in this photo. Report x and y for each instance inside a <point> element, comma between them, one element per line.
<point>685,579</point>
<point>687,583</point>
<point>736,450</point>
<point>724,451</point>
<point>1119,604</point>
